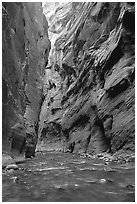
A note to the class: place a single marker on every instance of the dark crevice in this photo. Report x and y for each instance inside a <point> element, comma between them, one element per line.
<point>54,110</point>
<point>68,70</point>
<point>119,105</point>
<point>117,89</point>
<point>131,3</point>
<point>114,58</point>
<point>81,121</point>
<point>129,21</point>
<point>99,124</point>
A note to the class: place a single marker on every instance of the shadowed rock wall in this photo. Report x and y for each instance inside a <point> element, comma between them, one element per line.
<point>25,48</point>
<point>76,93</point>
<point>88,92</point>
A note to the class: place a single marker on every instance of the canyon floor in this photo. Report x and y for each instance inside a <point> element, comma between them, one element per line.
<point>59,177</point>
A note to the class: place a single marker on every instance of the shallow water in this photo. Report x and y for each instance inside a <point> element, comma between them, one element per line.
<point>64,177</point>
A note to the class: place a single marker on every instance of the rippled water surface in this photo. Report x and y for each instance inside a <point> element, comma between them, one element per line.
<point>64,177</point>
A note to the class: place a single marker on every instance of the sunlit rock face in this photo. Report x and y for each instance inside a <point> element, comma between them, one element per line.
<point>25,48</point>
<point>88,91</point>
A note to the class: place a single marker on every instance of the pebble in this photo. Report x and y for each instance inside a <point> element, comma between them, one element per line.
<point>131,159</point>
<point>102,181</point>
<point>15,179</point>
<point>10,170</point>
<point>130,186</point>
<point>12,166</point>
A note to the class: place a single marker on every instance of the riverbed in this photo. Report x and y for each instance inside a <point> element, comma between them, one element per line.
<point>66,177</point>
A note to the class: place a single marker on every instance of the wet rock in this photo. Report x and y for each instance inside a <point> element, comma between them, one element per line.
<point>30,146</point>
<point>18,140</point>
<point>123,156</point>
<point>15,179</point>
<point>7,160</point>
<point>12,166</point>
<point>131,159</point>
<point>10,170</point>
<point>83,155</point>
<point>102,181</point>
<point>130,187</point>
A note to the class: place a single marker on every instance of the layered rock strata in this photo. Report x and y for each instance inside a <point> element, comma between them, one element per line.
<point>25,48</point>
<point>88,91</point>
<point>75,94</point>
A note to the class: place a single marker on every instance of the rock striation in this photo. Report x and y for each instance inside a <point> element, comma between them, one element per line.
<point>88,86</point>
<point>68,77</point>
<point>25,48</point>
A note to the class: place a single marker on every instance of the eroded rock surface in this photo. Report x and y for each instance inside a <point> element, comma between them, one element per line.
<point>75,93</point>
<point>89,84</point>
<point>25,47</point>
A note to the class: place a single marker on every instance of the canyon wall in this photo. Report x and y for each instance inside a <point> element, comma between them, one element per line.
<point>88,86</point>
<point>68,79</point>
<point>25,48</point>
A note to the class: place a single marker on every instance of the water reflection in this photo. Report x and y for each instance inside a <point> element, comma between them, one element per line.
<point>57,177</point>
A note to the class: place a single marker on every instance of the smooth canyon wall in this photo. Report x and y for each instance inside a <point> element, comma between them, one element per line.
<point>25,47</point>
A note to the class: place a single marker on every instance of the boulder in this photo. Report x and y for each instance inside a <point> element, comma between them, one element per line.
<point>12,166</point>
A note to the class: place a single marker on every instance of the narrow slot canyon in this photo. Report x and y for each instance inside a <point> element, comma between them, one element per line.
<point>68,101</point>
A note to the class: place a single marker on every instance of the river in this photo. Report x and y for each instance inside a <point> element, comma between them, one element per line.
<point>66,177</point>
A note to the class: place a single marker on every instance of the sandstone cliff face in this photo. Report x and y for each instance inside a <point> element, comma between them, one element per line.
<point>76,93</point>
<point>25,48</point>
<point>88,91</point>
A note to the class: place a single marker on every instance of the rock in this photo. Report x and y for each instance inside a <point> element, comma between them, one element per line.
<point>25,53</point>
<point>6,160</point>
<point>92,64</point>
<point>77,89</point>
<point>131,159</point>
<point>130,187</point>
<point>12,166</point>
<point>102,181</point>
<point>83,156</point>
<point>18,140</point>
<point>10,170</point>
<point>15,179</point>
